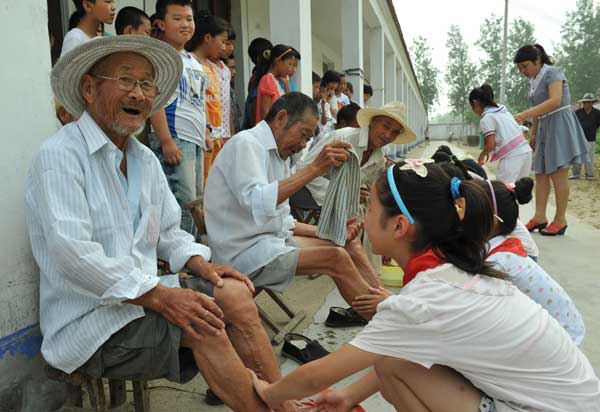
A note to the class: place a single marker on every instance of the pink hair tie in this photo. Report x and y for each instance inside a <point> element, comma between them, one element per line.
<point>489,182</point>
<point>510,186</point>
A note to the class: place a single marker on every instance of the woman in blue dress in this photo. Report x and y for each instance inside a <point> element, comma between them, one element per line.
<point>556,137</point>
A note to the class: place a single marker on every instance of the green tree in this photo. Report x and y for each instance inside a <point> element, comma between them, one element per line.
<point>461,74</point>
<point>490,42</point>
<point>521,32</point>
<point>579,51</point>
<point>427,73</point>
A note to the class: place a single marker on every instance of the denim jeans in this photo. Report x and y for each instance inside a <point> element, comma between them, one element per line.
<point>185,179</point>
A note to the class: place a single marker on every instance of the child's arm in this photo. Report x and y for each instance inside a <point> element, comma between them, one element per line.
<point>351,395</point>
<point>316,376</point>
<point>171,153</point>
<point>265,105</point>
<point>323,113</point>
<point>488,147</point>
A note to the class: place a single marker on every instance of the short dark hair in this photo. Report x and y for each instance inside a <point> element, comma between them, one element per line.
<point>162,5</point>
<point>316,77</point>
<point>129,16</point>
<point>330,76</point>
<point>230,33</point>
<point>367,89</point>
<point>296,104</point>
<point>348,113</point>
<point>256,48</point>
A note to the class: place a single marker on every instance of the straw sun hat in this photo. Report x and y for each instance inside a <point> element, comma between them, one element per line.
<point>66,75</point>
<point>588,97</point>
<point>393,110</point>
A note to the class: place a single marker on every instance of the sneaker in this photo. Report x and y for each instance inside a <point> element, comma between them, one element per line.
<point>573,177</point>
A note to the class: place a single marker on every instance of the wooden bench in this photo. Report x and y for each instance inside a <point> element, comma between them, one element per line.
<point>78,382</point>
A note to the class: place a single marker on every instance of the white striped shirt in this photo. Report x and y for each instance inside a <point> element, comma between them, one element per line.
<point>91,253</point>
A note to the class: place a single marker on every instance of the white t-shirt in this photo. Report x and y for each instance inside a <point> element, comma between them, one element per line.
<point>494,335</point>
<point>533,281</point>
<point>521,233</point>
<point>186,114</point>
<point>499,121</point>
<point>73,38</point>
<point>333,104</point>
<point>343,99</point>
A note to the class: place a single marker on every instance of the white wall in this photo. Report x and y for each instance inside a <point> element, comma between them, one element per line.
<point>26,118</point>
<point>322,52</point>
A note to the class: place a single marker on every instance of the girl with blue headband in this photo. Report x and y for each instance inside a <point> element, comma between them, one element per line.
<point>458,336</point>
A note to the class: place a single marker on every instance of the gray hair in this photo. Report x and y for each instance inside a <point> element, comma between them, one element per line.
<point>296,104</point>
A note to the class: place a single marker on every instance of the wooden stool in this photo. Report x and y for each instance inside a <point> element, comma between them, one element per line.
<point>77,382</point>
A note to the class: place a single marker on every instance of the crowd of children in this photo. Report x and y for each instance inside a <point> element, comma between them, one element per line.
<point>480,296</point>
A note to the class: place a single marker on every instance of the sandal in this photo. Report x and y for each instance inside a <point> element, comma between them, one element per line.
<point>311,351</point>
<point>532,225</point>
<point>554,229</point>
<point>342,318</point>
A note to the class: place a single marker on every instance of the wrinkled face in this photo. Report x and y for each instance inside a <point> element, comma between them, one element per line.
<point>103,10</point>
<point>529,68</point>
<point>383,130</point>
<point>215,45</point>
<point>342,86</point>
<point>294,138</point>
<point>144,29</point>
<point>117,112</point>
<point>228,49</point>
<point>178,26</point>
<point>232,68</point>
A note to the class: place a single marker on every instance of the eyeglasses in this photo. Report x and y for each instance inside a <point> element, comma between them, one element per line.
<point>127,84</point>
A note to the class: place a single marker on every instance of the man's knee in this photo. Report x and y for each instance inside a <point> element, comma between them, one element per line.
<point>236,300</point>
<point>338,259</point>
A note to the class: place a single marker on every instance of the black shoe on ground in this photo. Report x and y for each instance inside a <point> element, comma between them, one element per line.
<point>311,351</point>
<point>342,318</point>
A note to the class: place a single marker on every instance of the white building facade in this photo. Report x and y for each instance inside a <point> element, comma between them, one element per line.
<point>360,37</point>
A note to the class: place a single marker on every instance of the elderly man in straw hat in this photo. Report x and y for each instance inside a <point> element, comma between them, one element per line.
<point>589,117</point>
<point>100,212</point>
<point>378,128</point>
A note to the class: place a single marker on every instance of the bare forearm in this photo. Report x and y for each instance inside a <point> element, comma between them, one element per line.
<point>303,229</point>
<point>362,389</point>
<point>297,181</point>
<point>161,127</point>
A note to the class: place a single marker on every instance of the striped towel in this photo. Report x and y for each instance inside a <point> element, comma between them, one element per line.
<point>341,201</point>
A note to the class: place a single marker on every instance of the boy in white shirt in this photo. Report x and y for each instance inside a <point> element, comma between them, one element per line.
<point>91,15</point>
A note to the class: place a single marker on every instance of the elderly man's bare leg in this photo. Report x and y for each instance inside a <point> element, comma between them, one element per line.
<point>323,257</point>
<point>224,372</point>
<point>246,333</point>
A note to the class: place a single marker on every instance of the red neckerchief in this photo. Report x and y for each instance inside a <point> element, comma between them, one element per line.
<point>510,245</point>
<point>420,263</point>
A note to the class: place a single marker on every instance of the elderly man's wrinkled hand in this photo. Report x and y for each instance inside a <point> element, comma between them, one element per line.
<point>195,313</point>
<point>215,273</point>
<point>332,155</point>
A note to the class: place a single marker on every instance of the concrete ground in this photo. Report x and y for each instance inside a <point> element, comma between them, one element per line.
<point>570,259</point>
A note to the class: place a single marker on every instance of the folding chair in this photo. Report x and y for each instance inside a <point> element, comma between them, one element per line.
<point>294,318</point>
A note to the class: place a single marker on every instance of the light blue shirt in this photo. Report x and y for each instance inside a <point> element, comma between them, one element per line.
<point>246,227</point>
<point>96,237</point>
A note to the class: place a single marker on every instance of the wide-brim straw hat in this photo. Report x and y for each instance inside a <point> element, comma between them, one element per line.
<point>588,97</point>
<point>393,110</point>
<point>70,68</point>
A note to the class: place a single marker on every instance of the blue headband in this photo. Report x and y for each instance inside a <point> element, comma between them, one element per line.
<point>394,189</point>
<point>455,187</point>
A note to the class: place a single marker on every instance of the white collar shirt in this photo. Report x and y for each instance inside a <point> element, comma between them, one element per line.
<point>246,227</point>
<point>96,237</point>
<point>359,138</point>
